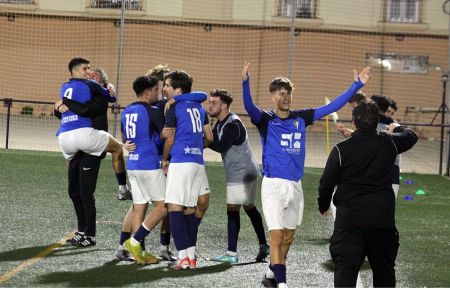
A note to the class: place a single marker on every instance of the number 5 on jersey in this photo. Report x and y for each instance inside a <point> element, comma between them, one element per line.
<point>130,125</point>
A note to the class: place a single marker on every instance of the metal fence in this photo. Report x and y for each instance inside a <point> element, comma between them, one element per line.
<point>30,125</point>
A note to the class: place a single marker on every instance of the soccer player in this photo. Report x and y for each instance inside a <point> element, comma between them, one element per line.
<point>77,136</point>
<point>159,72</point>
<point>241,170</point>
<point>283,144</point>
<point>392,109</point>
<point>383,102</point>
<point>353,102</point>
<point>140,121</point>
<point>100,122</point>
<point>361,168</point>
<point>186,177</point>
<point>99,75</point>
<point>144,155</point>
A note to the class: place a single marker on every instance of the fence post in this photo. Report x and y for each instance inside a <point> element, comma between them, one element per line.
<point>119,63</point>
<point>291,39</point>
<point>7,102</point>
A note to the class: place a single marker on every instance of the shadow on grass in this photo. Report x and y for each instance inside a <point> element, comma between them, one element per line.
<point>111,274</point>
<point>318,241</point>
<point>329,266</point>
<point>23,254</point>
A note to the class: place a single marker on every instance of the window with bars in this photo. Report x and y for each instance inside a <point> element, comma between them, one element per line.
<point>113,4</point>
<point>301,8</point>
<point>18,1</point>
<point>403,11</point>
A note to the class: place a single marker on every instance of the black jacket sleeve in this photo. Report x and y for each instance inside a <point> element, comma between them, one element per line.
<point>98,105</point>
<point>330,178</point>
<point>57,114</point>
<point>404,139</point>
<point>157,119</point>
<point>230,134</point>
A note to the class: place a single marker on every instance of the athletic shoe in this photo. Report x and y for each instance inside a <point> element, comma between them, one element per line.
<point>264,251</point>
<point>182,264</point>
<point>225,259</point>
<point>75,239</point>
<point>87,242</point>
<point>149,258</point>
<point>167,255</point>
<point>135,251</point>
<point>124,195</point>
<point>192,263</point>
<point>269,282</point>
<point>124,255</point>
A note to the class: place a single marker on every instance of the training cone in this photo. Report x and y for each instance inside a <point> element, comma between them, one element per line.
<point>420,192</point>
<point>409,182</point>
<point>408,197</point>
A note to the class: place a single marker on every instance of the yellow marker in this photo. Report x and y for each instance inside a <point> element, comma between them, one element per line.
<point>27,263</point>
<point>334,115</point>
<point>327,134</point>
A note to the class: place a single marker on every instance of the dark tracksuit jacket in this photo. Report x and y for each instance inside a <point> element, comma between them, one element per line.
<point>361,167</point>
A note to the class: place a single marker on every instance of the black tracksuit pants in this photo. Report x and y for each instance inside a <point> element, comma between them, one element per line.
<point>350,246</point>
<point>83,173</point>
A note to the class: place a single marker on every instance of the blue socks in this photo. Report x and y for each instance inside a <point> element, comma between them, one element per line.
<point>179,230</point>
<point>140,234</point>
<point>234,226</point>
<point>279,272</point>
<point>123,237</point>
<point>164,239</point>
<point>121,178</point>
<point>192,229</point>
<point>256,219</point>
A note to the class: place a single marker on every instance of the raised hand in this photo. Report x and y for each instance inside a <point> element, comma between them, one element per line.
<point>364,75</point>
<point>245,71</point>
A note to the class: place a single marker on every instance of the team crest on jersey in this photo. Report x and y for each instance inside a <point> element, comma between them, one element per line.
<point>133,157</point>
<point>291,142</point>
<point>192,150</point>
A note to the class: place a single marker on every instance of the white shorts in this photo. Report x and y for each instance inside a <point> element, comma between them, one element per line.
<point>147,185</point>
<point>88,140</point>
<point>282,202</point>
<point>242,194</point>
<point>185,183</point>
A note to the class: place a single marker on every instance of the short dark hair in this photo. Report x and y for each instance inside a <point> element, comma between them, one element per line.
<point>180,80</point>
<point>382,102</point>
<point>357,98</point>
<point>365,115</point>
<point>223,94</point>
<point>76,61</point>
<point>281,83</point>
<point>393,104</point>
<point>143,83</point>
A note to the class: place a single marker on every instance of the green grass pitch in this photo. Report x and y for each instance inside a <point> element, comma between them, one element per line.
<point>36,212</point>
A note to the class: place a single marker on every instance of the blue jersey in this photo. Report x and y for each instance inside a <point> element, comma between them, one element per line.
<point>283,143</point>
<point>283,140</point>
<point>188,119</point>
<point>81,91</point>
<point>140,123</point>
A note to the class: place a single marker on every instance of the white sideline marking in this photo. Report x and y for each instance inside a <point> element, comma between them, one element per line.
<point>31,261</point>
